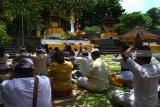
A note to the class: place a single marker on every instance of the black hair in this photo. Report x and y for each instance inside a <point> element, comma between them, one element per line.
<point>56,49</point>
<point>124,47</point>
<point>85,54</point>
<point>22,50</point>
<point>39,52</point>
<point>22,72</point>
<point>72,53</point>
<point>96,54</point>
<point>59,57</point>
<point>46,48</point>
<point>75,49</point>
<point>31,50</point>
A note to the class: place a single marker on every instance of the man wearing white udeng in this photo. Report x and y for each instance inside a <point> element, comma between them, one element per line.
<point>96,77</point>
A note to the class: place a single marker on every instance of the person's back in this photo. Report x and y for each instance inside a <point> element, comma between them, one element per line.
<point>145,84</point>
<point>146,77</point>
<point>99,78</point>
<point>84,61</point>
<point>40,61</point>
<point>22,52</point>
<point>18,91</point>
<point>60,73</point>
<point>96,77</point>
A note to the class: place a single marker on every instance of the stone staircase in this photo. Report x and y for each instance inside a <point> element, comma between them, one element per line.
<point>11,50</point>
<point>106,47</point>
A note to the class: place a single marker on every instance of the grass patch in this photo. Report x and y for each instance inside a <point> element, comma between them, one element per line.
<point>102,99</point>
<point>112,66</point>
<point>97,99</point>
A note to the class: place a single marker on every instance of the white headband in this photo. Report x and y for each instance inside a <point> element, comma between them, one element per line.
<point>143,53</point>
<point>84,51</point>
<point>22,48</point>
<point>95,49</point>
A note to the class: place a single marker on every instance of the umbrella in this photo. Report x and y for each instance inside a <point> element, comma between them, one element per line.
<point>145,35</point>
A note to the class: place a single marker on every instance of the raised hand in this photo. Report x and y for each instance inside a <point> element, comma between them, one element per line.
<point>138,41</point>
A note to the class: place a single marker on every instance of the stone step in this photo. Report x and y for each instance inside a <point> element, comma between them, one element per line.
<point>11,50</point>
<point>105,53</point>
<point>108,47</point>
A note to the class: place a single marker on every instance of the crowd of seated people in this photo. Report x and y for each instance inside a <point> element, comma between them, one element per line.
<point>55,70</point>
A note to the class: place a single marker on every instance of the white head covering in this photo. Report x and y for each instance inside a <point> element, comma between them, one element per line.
<point>26,63</point>
<point>22,48</point>
<point>84,51</point>
<point>143,53</point>
<point>39,49</point>
<point>94,49</point>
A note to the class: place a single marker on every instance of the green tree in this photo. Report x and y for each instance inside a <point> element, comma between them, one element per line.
<point>66,8</point>
<point>90,12</point>
<point>129,21</point>
<point>4,37</point>
<point>154,14</point>
<point>29,10</point>
<point>92,30</point>
<point>101,9</point>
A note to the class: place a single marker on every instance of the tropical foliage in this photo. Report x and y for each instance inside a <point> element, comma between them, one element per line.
<point>29,16</point>
<point>35,14</point>
<point>92,30</point>
<point>4,37</point>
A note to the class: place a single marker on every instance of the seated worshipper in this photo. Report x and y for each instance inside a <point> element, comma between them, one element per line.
<point>157,58</point>
<point>46,50</point>
<point>84,62</point>
<point>96,77</point>
<point>145,80</point>
<point>60,74</point>
<point>4,68</point>
<point>56,49</point>
<point>40,61</point>
<point>31,52</point>
<point>25,89</point>
<point>73,60</point>
<point>22,52</point>
<point>125,76</point>
<point>75,51</point>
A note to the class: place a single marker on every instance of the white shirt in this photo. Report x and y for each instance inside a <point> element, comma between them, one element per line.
<point>145,83</point>
<point>84,64</point>
<point>40,63</point>
<point>18,92</point>
<point>125,75</point>
<point>98,75</point>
